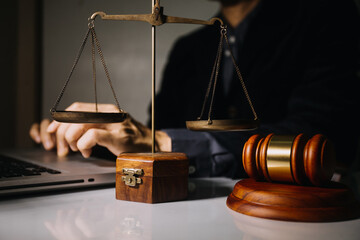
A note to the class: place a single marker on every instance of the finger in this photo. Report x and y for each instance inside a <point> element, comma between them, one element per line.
<point>95,136</point>
<point>53,127</point>
<point>62,145</point>
<point>73,133</point>
<point>46,138</point>
<point>35,132</point>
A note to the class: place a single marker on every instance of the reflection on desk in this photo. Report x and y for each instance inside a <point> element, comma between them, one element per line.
<point>96,214</point>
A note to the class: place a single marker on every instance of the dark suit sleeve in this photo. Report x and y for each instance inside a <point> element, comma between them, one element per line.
<point>210,154</point>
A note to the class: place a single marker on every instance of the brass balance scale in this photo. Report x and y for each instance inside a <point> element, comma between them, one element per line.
<point>156,176</point>
<point>157,18</point>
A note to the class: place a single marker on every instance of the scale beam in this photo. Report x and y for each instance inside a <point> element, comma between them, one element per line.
<point>156,18</point>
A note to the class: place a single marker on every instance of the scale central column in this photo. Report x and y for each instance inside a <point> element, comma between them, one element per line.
<point>153,33</point>
<point>153,61</point>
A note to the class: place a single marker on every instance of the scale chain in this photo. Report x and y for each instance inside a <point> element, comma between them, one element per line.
<point>53,109</point>
<point>105,68</point>
<point>95,42</point>
<point>215,71</point>
<point>216,77</point>
<point>240,78</point>
<point>210,82</point>
<point>94,68</point>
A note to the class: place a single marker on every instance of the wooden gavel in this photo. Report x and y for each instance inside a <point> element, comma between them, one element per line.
<point>296,159</point>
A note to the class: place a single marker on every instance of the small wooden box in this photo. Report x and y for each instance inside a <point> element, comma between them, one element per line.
<point>151,177</point>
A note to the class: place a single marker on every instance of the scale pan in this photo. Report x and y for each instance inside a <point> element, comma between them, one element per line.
<point>88,117</point>
<point>223,125</point>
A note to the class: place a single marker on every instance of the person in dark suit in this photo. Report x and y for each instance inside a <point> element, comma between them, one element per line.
<point>298,59</point>
<point>299,63</point>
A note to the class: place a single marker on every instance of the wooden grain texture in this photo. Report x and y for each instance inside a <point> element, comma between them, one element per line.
<point>153,189</point>
<point>297,160</point>
<point>165,177</point>
<point>139,193</point>
<point>249,157</point>
<point>263,155</point>
<point>319,160</point>
<point>154,164</point>
<point>257,158</point>
<point>293,202</point>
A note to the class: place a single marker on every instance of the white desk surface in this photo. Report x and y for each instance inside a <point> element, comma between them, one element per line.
<point>96,214</point>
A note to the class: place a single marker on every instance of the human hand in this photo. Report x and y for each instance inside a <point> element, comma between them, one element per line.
<point>127,136</point>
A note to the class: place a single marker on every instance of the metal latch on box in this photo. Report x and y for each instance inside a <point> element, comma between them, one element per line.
<point>130,177</point>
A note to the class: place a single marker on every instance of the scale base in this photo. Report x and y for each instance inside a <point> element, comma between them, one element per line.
<point>292,202</point>
<point>152,177</point>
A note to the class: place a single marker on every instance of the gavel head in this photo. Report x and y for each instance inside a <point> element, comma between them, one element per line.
<point>296,159</point>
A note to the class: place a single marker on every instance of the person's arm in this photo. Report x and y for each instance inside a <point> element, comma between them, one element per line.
<point>210,154</point>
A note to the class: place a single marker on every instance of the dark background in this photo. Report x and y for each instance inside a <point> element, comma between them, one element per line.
<point>40,39</point>
<point>21,67</point>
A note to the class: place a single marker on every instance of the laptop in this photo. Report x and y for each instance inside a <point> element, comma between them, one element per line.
<point>28,171</point>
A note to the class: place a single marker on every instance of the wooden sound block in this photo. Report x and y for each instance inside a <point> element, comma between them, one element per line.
<point>152,177</point>
<point>292,202</point>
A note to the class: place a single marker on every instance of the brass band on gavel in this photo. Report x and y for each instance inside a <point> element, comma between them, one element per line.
<point>278,156</point>
<point>296,159</point>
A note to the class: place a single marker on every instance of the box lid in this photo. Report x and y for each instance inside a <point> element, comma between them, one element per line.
<point>160,164</point>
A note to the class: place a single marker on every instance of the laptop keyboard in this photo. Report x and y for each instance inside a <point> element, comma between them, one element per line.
<point>11,167</point>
